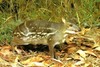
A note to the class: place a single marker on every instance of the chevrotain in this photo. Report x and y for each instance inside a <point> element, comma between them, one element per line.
<point>41,32</point>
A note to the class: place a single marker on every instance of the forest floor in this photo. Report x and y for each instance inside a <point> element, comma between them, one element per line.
<point>81,50</point>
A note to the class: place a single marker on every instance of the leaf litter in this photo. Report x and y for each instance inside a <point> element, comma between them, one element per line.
<point>81,50</point>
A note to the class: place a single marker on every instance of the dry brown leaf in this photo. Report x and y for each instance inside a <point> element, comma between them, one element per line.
<point>35,64</point>
<point>90,52</point>
<point>81,53</point>
<point>32,59</point>
<point>3,62</point>
<point>69,65</point>
<point>87,65</point>
<point>53,63</point>
<point>5,48</point>
<point>97,44</point>
<point>82,61</point>
<point>72,50</point>
<point>97,48</point>
<point>76,57</point>
<point>15,65</point>
<point>6,51</point>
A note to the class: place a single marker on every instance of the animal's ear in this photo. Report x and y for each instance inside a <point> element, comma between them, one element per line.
<point>65,22</point>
